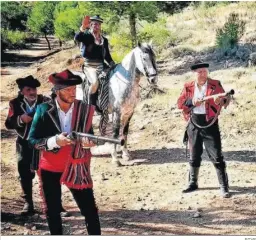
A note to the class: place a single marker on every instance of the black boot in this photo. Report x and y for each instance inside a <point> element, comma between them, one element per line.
<point>26,185</point>
<point>223,181</point>
<point>193,177</point>
<point>55,224</point>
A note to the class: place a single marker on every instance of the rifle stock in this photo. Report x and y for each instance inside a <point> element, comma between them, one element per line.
<point>96,139</point>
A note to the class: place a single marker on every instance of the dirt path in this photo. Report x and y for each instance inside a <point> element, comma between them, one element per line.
<point>144,199</point>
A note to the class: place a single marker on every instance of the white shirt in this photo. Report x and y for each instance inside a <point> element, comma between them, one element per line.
<point>65,124</point>
<point>200,94</point>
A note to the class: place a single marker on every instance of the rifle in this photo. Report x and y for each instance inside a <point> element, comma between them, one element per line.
<point>225,94</point>
<point>96,139</point>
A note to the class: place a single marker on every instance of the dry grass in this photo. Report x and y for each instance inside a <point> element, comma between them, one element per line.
<point>195,27</point>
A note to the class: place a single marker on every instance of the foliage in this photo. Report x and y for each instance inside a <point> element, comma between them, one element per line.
<point>229,35</point>
<point>12,39</point>
<point>42,16</point>
<point>158,33</point>
<point>14,15</point>
<point>121,44</point>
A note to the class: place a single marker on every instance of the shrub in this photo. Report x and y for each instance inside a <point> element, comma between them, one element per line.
<point>158,33</point>
<point>12,39</point>
<point>229,36</point>
<point>121,44</point>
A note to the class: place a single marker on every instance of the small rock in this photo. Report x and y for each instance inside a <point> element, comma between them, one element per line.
<point>199,210</point>
<point>103,178</point>
<point>27,225</point>
<point>197,215</point>
<point>139,199</point>
<point>33,228</point>
<point>189,208</point>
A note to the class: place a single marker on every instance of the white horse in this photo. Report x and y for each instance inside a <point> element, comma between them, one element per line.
<point>124,91</point>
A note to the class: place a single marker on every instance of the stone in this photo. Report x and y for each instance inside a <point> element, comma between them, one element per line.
<point>197,215</point>
<point>33,228</point>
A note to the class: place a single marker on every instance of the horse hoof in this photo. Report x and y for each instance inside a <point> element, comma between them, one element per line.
<point>126,157</point>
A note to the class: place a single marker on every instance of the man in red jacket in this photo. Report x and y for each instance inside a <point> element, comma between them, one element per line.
<point>200,115</point>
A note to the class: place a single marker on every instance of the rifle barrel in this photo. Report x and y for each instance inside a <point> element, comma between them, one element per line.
<point>97,139</point>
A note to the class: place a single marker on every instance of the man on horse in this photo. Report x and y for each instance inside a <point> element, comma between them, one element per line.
<point>95,51</point>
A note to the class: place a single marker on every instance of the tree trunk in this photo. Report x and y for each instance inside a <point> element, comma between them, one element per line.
<point>49,46</point>
<point>60,42</point>
<point>132,21</point>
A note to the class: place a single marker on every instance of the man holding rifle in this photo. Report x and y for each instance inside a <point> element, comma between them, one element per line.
<point>63,160</point>
<point>203,128</point>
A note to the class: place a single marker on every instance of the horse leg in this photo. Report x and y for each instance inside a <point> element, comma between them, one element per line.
<point>125,154</point>
<point>116,128</point>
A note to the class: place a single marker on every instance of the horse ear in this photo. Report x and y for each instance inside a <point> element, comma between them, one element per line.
<point>139,44</point>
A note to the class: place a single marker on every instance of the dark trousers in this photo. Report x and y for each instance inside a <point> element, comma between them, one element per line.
<point>211,139</point>
<point>25,153</point>
<point>84,198</point>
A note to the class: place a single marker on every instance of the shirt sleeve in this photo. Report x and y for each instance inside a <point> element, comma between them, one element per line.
<point>51,143</point>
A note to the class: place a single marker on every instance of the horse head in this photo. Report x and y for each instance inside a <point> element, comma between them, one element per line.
<point>146,62</point>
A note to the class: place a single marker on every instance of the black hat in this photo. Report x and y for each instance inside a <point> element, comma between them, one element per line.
<point>64,79</point>
<point>96,18</point>
<point>199,65</point>
<point>28,81</point>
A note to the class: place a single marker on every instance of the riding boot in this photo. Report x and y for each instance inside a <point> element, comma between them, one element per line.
<point>93,99</point>
<point>223,181</point>
<point>26,185</point>
<point>193,177</point>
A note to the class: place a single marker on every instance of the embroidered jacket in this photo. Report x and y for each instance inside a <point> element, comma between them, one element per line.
<point>187,94</point>
<point>46,124</point>
<point>91,51</point>
<point>17,107</point>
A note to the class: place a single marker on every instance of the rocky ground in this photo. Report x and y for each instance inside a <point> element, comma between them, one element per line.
<point>146,199</point>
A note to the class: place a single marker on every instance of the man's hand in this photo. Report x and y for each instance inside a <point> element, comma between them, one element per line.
<point>197,102</point>
<point>62,140</point>
<point>25,118</point>
<point>217,100</point>
<point>86,143</point>
<point>85,23</point>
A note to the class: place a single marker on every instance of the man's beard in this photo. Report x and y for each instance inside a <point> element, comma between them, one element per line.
<point>31,98</point>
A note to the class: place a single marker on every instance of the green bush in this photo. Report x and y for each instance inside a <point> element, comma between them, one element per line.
<point>158,33</point>
<point>228,36</point>
<point>121,44</point>
<point>12,39</point>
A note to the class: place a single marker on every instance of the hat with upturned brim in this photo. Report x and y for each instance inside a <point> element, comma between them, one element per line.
<point>64,79</point>
<point>28,81</point>
<point>199,65</point>
<point>96,18</point>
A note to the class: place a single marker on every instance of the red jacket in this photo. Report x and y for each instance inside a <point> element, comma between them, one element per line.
<point>185,99</point>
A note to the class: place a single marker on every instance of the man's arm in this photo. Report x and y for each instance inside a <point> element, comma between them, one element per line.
<point>35,133</point>
<point>184,102</point>
<point>15,121</point>
<point>108,57</point>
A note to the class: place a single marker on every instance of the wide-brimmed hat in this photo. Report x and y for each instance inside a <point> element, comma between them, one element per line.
<point>199,65</point>
<point>28,81</point>
<point>64,79</point>
<point>96,18</point>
